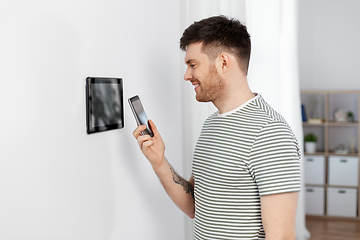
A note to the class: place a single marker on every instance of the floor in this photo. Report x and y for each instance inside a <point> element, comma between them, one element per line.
<point>333,229</point>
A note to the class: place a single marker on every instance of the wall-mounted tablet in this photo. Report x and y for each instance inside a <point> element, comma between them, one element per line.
<point>104,104</point>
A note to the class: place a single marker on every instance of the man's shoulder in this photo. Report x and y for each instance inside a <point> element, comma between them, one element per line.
<point>266,112</point>
<point>257,114</point>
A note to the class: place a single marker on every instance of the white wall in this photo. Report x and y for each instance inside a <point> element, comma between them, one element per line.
<point>329,40</point>
<point>57,182</point>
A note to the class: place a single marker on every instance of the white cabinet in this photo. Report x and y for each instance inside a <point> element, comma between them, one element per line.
<point>332,173</point>
<point>343,171</point>
<point>314,170</point>
<point>315,201</point>
<point>341,202</point>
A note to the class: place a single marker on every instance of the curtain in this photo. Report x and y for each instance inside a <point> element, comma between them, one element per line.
<point>273,72</point>
<point>273,27</point>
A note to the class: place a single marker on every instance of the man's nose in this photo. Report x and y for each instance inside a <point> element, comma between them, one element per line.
<point>188,75</point>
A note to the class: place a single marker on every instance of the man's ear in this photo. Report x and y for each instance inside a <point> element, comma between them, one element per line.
<point>224,62</point>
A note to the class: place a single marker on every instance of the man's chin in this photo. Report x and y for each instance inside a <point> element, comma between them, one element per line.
<point>201,99</point>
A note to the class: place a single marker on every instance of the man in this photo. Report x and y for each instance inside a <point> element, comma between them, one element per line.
<point>246,175</point>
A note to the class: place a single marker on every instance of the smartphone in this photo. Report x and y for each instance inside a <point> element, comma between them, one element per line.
<point>140,115</point>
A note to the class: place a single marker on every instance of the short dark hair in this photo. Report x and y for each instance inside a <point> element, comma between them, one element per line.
<point>219,34</point>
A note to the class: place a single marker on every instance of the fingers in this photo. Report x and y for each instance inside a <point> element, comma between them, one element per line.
<point>152,124</point>
<point>152,147</point>
<point>146,143</point>
<point>144,140</point>
<point>153,127</point>
<point>138,130</point>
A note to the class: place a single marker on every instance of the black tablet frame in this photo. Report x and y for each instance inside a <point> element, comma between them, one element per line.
<point>90,98</point>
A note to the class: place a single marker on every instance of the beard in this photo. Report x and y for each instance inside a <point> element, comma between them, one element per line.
<point>211,88</point>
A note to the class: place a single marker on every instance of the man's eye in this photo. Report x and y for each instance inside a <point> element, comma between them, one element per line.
<point>192,65</point>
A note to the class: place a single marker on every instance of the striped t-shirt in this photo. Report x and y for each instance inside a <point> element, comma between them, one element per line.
<point>240,156</point>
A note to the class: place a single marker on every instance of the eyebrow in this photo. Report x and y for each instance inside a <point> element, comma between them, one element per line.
<point>189,61</point>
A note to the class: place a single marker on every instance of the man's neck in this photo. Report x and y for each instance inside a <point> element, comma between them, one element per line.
<point>234,99</point>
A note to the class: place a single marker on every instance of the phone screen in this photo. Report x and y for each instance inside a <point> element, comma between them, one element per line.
<point>140,114</point>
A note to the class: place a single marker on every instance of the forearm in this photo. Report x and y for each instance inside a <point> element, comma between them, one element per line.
<point>178,189</point>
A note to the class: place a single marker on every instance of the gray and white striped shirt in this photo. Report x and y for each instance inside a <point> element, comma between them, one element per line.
<point>240,156</point>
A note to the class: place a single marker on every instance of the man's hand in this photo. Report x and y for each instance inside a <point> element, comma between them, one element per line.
<point>152,147</point>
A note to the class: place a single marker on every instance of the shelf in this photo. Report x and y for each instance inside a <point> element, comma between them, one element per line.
<point>332,218</point>
<point>327,185</point>
<point>327,154</point>
<point>314,124</point>
<point>320,106</point>
<point>314,154</point>
<point>315,92</point>
<point>342,124</point>
<point>346,155</point>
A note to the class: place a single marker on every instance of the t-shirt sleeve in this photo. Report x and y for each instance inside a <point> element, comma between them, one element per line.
<point>274,161</point>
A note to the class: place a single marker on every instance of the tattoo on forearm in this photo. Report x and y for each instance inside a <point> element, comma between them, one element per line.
<point>188,187</point>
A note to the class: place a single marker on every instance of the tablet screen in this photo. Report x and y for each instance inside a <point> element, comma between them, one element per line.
<point>104,104</point>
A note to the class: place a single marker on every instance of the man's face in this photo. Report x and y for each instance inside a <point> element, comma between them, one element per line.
<point>203,75</point>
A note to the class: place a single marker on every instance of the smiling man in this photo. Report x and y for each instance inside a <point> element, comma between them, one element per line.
<point>246,176</point>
